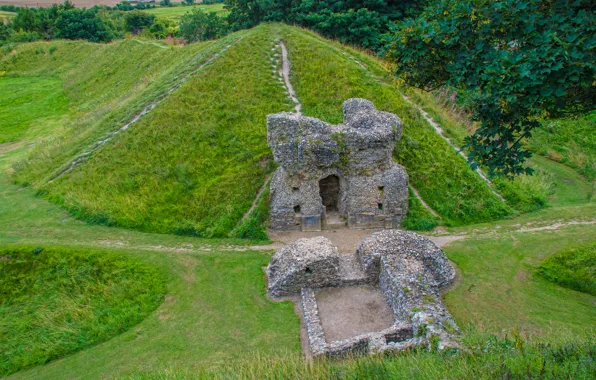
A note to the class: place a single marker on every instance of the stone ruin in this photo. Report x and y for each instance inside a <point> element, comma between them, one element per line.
<point>408,270</point>
<point>332,174</point>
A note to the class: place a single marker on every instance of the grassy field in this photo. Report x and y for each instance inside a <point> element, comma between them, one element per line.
<point>174,13</point>
<point>6,16</point>
<point>54,301</point>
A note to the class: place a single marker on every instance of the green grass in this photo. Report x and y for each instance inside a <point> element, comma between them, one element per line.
<point>54,301</point>
<point>489,358</point>
<point>6,16</point>
<point>28,102</point>
<point>442,177</point>
<point>106,86</point>
<point>174,13</point>
<point>419,218</point>
<point>499,288</point>
<point>192,166</point>
<point>570,141</point>
<point>572,268</point>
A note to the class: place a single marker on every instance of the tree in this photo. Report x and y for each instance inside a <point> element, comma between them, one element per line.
<point>138,20</point>
<point>520,61</point>
<point>189,2</point>
<point>75,24</point>
<point>24,20</point>
<point>200,26</point>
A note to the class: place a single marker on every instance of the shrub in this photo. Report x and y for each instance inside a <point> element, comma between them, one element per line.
<point>200,26</point>
<point>136,20</point>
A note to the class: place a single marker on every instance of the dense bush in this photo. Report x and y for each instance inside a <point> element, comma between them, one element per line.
<point>200,26</point>
<point>519,60</point>
<point>574,269</point>
<point>138,20</point>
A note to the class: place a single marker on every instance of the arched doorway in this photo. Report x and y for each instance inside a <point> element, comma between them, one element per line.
<point>329,192</point>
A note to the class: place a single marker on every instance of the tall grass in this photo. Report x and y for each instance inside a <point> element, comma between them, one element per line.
<point>483,358</point>
<point>54,301</point>
<point>324,78</point>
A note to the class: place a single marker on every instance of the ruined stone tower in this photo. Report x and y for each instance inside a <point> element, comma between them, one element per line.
<point>333,175</point>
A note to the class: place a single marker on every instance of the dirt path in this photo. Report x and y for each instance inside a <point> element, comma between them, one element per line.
<point>285,70</point>
<point>148,108</point>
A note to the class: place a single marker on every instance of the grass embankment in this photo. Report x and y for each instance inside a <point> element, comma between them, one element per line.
<point>324,78</point>
<point>195,164</point>
<point>572,268</point>
<point>174,13</point>
<point>7,16</point>
<point>106,85</point>
<point>55,301</point>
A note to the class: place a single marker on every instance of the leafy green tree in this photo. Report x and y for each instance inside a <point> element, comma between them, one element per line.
<point>25,20</point>
<point>189,2</point>
<point>138,20</point>
<point>76,24</point>
<point>200,26</point>
<point>520,60</point>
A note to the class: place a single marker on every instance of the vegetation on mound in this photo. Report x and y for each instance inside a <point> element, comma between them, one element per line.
<point>194,164</point>
<point>419,218</point>
<point>442,177</point>
<point>484,358</point>
<point>26,102</point>
<point>573,268</point>
<point>54,301</point>
<point>174,13</point>
<point>571,141</point>
<point>107,85</point>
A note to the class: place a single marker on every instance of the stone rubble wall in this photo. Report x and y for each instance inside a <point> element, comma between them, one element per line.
<point>373,188</point>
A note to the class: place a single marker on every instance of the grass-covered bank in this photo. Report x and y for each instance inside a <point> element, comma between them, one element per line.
<point>195,164</point>
<point>573,268</point>
<point>54,301</point>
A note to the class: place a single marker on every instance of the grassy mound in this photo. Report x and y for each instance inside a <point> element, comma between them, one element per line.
<point>105,87</point>
<point>194,165</point>
<point>55,301</point>
<point>574,269</point>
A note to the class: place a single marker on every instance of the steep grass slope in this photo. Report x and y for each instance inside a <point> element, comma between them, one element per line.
<point>106,86</point>
<point>55,301</point>
<point>195,164</point>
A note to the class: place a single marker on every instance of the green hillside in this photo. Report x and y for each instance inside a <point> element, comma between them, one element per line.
<point>195,163</point>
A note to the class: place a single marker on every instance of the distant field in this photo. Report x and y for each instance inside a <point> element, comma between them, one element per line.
<point>6,15</point>
<point>47,3</point>
<point>174,13</point>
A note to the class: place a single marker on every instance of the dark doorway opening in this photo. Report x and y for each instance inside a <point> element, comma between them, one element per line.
<point>329,191</point>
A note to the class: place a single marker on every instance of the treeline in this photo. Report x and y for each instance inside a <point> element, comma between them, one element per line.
<point>104,24</point>
<point>356,22</point>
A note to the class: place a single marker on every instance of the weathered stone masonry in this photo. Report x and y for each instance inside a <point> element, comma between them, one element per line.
<point>332,174</point>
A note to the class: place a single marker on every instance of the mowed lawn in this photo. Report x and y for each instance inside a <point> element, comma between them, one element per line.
<point>174,13</point>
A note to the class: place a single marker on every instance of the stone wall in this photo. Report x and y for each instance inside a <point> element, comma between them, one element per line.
<point>373,189</point>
